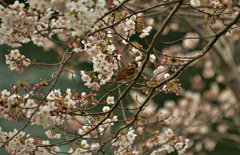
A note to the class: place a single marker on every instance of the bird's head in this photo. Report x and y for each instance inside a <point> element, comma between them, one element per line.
<point>133,63</point>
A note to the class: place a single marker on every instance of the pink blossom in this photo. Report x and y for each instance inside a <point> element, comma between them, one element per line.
<point>95,86</point>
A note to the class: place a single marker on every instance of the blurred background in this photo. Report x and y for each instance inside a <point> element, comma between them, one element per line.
<point>188,79</point>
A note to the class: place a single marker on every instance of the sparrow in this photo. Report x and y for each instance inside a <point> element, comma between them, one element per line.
<point>126,73</point>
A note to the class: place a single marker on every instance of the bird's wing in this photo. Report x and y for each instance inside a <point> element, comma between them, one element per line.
<point>128,71</point>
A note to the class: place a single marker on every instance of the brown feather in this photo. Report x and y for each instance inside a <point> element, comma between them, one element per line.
<point>126,73</point>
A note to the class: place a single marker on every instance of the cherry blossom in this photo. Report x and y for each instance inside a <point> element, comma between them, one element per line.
<point>131,118</point>
<point>110,100</point>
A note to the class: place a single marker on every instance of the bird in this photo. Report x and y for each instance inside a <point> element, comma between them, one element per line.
<point>126,73</point>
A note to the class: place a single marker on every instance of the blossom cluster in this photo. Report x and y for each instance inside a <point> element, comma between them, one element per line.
<point>80,18</point>
<point>164,142</point>
<point>128,26</point>
<point>16,61</point>
<point>104,62</point>
<point>192,113</point>
<point>87,26</point>
<point>20,23</point>
<point>219,8</point>
<point>104,55</point>
<point>25,145</point>
<point>85,148</point>
<point>124,141</point>
<point>168,145</point>
<point>40,113</point>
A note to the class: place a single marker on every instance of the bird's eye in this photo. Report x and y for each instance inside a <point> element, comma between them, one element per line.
<point>135,64</point>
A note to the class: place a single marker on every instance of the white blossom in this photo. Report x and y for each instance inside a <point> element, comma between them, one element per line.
<point>169,133</point>
<point>106,109</point>
<point>110,100</point>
